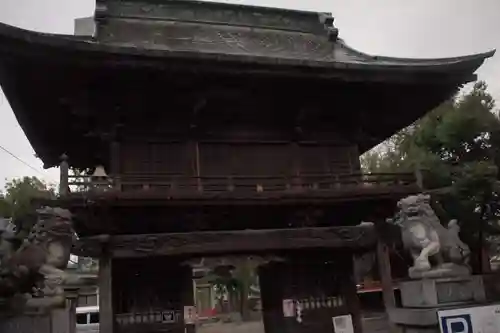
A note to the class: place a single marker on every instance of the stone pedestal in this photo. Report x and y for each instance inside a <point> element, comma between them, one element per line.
<point>422,299</point>
<point>54,321</point>
<point>430,293</point>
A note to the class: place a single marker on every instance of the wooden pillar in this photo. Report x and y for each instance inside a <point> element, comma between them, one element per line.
<point>196,146</point>
<point>187,296</point>
<point>384,267</point>
<point>246,271</point>
<point>114,164</point>
<point>64,176</point>
<point>350,290</point>
<point>193,149</point>
<point>485,260</point>
<point>105,293</point>
<point>271,283</point>
<point>296,181</point>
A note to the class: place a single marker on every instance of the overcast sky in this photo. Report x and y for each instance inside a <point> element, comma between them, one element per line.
<point>424,28</point>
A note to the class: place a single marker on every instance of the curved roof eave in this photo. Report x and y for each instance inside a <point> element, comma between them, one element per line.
<point>24,40</point>
<point>417,61</point>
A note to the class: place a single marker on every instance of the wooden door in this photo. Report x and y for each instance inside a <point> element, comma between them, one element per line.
<point>322,290</point>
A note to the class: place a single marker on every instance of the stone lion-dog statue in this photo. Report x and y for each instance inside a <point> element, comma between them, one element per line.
<point>436,251</point>
<point>33,274</point>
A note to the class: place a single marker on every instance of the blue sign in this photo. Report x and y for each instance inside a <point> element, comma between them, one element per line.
<point>457,324</point>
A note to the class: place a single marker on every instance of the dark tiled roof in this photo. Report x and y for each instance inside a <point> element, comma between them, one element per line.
<point>196,38</point>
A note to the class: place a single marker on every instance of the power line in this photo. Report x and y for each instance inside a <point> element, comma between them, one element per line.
<point>20,160</point>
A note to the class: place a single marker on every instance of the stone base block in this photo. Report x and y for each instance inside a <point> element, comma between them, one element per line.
<point>429,293</point>
<point>413,317</point>
<point>442,271</point>
<point>492,286</point>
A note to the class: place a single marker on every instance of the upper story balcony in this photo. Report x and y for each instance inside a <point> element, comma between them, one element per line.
<point>219,189</point>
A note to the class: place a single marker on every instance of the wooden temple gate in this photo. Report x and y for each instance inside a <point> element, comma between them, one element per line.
<point>320,289</point>
<point>153,295</point>
<point>204,129</point>
<point>147,280</point>
<point>149,294</point>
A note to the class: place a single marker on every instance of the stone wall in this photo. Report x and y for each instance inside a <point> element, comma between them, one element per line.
<point>26,324</point>
<point>58,321</point>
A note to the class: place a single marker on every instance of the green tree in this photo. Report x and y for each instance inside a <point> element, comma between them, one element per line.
<point>5,210</point>
<point>236,282</point>
<point>457,147</point>
<point>18,200</point>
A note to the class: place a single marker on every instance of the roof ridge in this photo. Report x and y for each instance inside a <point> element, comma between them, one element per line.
<point>212,4</point>
<point>215,12</point>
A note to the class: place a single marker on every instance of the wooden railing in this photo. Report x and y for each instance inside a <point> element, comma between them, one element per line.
<point>238,184</point>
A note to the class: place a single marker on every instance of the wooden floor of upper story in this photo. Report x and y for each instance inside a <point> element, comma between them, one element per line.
<point>178,188</point>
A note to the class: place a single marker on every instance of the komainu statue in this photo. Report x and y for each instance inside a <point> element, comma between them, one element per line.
<point>437,251</point>
<point>32,270</point>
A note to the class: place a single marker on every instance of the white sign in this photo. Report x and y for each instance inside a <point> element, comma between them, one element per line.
<point>343,324</point>
<point>481,319</point>
<point>189,315</point>
<point>288,308</point>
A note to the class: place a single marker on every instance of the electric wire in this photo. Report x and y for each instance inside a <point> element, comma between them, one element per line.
<point>21,161</point>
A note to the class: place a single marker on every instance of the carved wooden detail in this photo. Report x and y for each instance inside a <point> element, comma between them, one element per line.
<point>214,242</point>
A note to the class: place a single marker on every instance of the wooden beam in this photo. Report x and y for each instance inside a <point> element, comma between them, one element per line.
<point>105,293</point>
<point>216,242</point>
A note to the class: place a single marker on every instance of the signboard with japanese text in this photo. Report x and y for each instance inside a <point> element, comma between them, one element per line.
<point>189,315</point>
<point>481,319</point>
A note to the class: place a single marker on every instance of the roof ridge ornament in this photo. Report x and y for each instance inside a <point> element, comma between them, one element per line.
<point>327,20</point>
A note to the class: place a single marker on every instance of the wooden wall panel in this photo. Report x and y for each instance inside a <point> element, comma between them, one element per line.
<point>246,159</point>
<point>215,159</point>
<point>156,158</point>
<point>314,159</point>
<point>134,158</point>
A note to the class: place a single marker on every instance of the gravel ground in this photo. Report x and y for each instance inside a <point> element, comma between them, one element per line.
<point>376,323</point>
<point>249,327</point>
